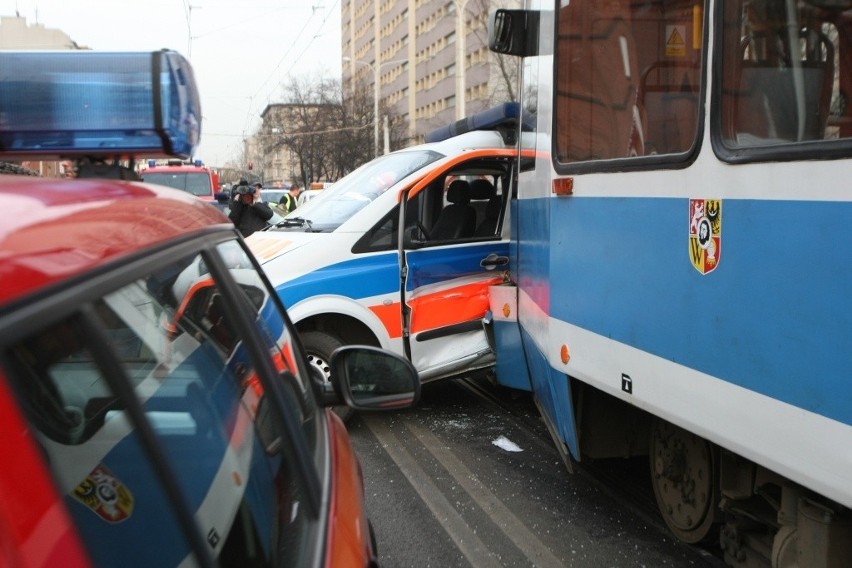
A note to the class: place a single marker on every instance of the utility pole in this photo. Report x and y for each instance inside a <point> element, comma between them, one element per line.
<point>461,62</point>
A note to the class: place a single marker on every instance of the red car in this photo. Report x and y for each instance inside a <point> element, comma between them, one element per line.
<point>156,407</point>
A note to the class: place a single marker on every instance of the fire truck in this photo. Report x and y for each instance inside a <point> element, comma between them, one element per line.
<point>192,177</point>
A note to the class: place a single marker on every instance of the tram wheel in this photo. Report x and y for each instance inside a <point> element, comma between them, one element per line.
<point>685,480</point>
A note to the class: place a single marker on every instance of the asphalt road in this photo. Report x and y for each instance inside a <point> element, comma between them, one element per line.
<point>462,480</point>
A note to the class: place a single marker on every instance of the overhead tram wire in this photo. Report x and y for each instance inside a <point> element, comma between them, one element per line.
<point>316,35</point>
<point>254,112</point>
<point>302,53</point>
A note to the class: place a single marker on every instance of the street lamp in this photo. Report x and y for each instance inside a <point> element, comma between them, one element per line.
<point>461,58</point>
<point>376,69</point>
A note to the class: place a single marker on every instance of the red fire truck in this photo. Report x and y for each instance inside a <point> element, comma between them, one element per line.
<point>192,177</point>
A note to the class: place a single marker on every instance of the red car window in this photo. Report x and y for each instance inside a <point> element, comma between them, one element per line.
<point>188,368</point>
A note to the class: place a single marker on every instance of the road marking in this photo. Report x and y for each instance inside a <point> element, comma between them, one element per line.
<point>453,524</point>
<point>535,550</point>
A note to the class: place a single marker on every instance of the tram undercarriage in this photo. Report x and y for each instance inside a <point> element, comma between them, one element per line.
<point>706,494</point>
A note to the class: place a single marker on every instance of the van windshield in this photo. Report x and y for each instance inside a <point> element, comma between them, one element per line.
<point>196,183</point>
<point>335,205</point>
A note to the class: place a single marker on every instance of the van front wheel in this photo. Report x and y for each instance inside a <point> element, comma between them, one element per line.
<point>318,347</point>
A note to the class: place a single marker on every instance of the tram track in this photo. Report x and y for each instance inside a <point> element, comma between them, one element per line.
<point>625,481</point>
<point>470,477</point>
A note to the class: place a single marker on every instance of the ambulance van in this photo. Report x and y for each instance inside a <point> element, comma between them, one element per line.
<point>400,253</point>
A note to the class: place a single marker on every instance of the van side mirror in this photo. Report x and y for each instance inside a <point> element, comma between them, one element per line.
<point>514,32</point>
<point>369,378</point>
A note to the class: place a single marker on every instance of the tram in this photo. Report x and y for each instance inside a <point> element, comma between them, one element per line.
<point>680,283</point>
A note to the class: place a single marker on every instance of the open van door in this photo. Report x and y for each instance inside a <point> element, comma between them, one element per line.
<point>455,245</point>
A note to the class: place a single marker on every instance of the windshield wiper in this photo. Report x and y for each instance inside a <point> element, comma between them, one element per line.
<point>296,222</point>
<point>292,222</point>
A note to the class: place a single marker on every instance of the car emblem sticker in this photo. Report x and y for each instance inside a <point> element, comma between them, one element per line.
<point>103,493</point>
<point>705,234</point>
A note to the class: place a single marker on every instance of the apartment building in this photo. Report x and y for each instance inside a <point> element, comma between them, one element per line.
<point>429,58</point>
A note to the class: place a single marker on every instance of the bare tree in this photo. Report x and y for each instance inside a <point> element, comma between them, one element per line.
<point>311,114</point>
<point>360,101</point>
<point>354,143</point>
<point>397,129</point>
<point>302,125</point>
<point>325,132</point>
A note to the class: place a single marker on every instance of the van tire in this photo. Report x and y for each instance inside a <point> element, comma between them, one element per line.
<point>318,347</point>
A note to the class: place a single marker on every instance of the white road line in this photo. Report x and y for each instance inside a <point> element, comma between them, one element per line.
<point>453,524</point>
<point>535,550</point>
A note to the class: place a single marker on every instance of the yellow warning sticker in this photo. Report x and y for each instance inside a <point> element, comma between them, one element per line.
<point>675,41</point>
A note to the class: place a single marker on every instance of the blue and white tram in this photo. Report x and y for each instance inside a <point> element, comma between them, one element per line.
<point>681,287</point>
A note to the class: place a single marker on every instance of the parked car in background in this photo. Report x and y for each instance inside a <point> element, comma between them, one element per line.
<point>272,196</point>
<point>312,191</point>
<point>156,404</point>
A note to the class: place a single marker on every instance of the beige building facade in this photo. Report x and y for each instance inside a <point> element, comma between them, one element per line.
<point>15,33</point>
<point>429,58</point>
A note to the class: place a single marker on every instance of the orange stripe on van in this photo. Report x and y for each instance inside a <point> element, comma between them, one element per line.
<point>390,317</point>
<point>454,305</point>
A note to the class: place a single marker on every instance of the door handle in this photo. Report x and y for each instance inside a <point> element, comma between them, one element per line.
<point>493,260</point>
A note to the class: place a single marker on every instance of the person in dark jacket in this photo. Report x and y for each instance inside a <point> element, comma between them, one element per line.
<point>248,213</point>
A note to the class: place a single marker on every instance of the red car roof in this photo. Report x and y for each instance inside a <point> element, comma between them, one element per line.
<point>53,229</point>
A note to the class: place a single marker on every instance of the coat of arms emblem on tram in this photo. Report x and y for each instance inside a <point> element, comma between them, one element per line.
<point>705,234</point>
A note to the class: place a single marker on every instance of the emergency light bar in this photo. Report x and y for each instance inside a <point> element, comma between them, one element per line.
<point>84,103</point>
<point>503,117</point>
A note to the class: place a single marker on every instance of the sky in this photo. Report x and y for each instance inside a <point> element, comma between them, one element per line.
<point>244,52</point>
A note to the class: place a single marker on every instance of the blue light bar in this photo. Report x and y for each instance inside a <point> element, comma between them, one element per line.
<point>498,117</point>
<point>86,103</point>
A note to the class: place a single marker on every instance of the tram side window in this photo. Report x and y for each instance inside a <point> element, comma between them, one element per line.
<point>627,79</point>
<point>783,81</point>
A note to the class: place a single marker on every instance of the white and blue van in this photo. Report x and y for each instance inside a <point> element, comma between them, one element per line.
<point>400,253</point>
